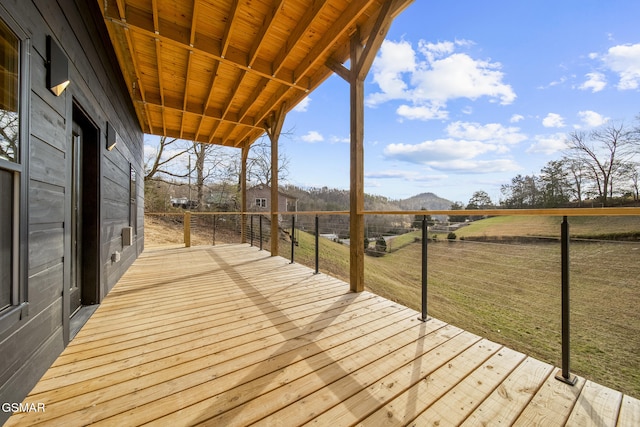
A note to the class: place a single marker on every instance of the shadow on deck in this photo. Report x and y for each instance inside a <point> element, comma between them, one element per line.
<point>229,335</point>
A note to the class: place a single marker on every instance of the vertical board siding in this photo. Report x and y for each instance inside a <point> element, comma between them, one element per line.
<point>29,345</point>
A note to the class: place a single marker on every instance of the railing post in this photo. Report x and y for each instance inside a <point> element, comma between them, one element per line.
<point>214,230</point>
<point>317,244</point>
<point>187,229</point>
<point>564,374</point>
<point>251,229</point>
<point>260,230</point>
<point>293,239</point>
<point>423,317</point>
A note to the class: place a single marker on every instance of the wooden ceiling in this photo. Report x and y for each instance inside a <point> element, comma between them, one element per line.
<point>216,71</point>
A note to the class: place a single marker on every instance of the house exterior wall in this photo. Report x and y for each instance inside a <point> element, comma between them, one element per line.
<point>285,203</point>
<point>34,333</point>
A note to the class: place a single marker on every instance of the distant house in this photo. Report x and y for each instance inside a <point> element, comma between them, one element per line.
<point>259,200</point>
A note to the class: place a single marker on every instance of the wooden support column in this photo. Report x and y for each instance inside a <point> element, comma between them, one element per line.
<point>361,58</point>
<point>243,191</point>
<point>356,217</point>
<point>274,128</point>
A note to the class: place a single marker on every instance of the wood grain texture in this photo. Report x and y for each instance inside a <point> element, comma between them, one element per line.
<point>229,335</point>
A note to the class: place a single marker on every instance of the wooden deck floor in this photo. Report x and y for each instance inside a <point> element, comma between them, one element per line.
<point>229,336</point>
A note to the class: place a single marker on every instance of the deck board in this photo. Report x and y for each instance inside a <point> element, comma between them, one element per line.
<point>229,335</point>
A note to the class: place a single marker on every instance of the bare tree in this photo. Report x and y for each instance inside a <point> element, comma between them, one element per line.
<point>160,162</point>
<point>9,121</point>
<point>211,161</point>
<point>259,163</point>
<point>577,175</point>
<point>604,152</point>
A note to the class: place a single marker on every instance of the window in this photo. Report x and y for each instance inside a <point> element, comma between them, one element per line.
<point>261,203</point>
<point>11,165</point>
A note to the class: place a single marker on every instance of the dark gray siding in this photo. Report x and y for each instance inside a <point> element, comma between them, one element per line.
<point>30,344</point>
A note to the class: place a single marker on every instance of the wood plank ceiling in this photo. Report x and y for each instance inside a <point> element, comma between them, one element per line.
<point>215,71</point>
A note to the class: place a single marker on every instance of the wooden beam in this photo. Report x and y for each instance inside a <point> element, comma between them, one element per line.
<point>264,28</point>
<point>231,21</point>
<point>243,190</point>
<point>274,128</point>
<point>296,35</point>
<point>142,23</point>
<point>356,195</point>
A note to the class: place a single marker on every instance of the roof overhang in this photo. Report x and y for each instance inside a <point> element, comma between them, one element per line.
<point>215,71</point>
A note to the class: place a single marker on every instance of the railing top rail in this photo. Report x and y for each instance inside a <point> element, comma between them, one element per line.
<point>529,212</point>
<point>631,211</point>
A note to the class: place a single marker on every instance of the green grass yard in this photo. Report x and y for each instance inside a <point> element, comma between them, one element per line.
<point>510,292</point>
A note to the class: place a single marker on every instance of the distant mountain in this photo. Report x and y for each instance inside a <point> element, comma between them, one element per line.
<point>331,199</point>
<point>427,201</point>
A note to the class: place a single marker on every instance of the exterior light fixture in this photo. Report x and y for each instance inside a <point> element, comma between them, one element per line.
<point>57,68</point>
<point>112,137</point>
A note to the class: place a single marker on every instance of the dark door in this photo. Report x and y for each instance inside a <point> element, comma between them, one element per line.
<point>75,290</point>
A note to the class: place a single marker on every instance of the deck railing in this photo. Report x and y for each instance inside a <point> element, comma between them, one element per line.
<point>303,229</point>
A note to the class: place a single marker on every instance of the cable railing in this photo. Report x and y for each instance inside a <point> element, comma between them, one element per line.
<point>550,292</point>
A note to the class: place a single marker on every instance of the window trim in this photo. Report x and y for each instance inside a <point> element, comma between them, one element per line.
<point>19,307</point>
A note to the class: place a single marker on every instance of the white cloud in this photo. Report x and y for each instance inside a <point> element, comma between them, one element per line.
<point>433,76</point>
<point>337,139</point>
<point>302,105</point>
<point>404,175</point>
<point>432,111</point>
<point>548,144</point>
<point>516,118</point>
<point>460,76</point>
<point>440,150</point>
<point>595,82</point>
<point>553,120</point>
<point>312,136</point>
<point>493,132</point>
<point>592,119</point>
<point>477,166</point>
<point>393,60</point>
<point>625,61</point>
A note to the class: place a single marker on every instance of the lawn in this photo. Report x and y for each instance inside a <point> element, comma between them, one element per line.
<point>510,292</point>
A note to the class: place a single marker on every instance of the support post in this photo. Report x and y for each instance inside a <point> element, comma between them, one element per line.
<point>564,374</point>
<point>243,193</point>
<point>187,229</point>
<point>423,317</point>
<point>361,59</point>
<point>356,217</point>
<point>274,128</point>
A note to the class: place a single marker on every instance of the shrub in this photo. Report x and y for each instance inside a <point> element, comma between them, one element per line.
<point>451,236</point>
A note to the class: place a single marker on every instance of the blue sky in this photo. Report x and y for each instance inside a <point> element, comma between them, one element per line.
<point>465,95</point>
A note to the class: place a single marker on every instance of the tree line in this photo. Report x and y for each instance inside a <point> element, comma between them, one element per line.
<point>600,167</point>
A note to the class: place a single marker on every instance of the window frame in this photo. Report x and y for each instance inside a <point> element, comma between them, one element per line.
<point>18,307</point>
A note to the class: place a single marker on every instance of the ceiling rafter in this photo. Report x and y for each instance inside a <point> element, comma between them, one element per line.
<point>276,100</point>
<point>218,78</point>
<point>262,33</point>
<point>347,20</point>
<point>194,18</point>
<point>296,35</point>
<point>156,30</point>
<point>176,107</point>
<point>210,93</point>
<point>231,22</point>
<point>138,21</point>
